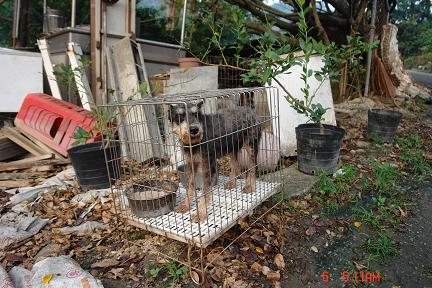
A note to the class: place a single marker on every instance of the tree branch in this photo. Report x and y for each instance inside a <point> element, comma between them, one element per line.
<point>318,24</point>
<point>342,6</point>
<point>6,18</point>
<point>360,14</point>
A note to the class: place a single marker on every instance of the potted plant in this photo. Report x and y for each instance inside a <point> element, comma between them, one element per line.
<point>318,145</point>
<point>91,158</point>
<point>94,162</point>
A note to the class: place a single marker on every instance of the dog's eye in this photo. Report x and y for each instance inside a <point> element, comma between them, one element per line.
<point>179,118</point>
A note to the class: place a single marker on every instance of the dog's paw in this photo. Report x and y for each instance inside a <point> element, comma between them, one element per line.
<point>196,219</point>
<point>230,185</point>
<point>247,189</point>
<point>182,208</point>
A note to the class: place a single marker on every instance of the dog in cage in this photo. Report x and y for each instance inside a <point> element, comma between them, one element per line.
<point>207,137</point>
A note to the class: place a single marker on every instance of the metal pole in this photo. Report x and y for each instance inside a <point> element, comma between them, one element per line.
<point>183,23</point>
<point>369,56</point>
<point>73,13</point>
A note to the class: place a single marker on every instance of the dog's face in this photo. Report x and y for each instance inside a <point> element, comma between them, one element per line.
<point>187,122</point>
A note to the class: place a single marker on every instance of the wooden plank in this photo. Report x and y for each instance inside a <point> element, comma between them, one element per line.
<point>74,53</point>
<point>22,141</point>
<point>16,183</point>
<point>20,175</point>
<point>42,163</point>
<point>27,160</point>
<point>49,70</point>
<point>43,146</point>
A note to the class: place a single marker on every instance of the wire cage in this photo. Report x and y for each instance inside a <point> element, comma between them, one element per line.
<point>189,166</point>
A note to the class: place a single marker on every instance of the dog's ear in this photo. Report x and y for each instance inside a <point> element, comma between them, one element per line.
<point>171,112</point>
<point>200,104</point>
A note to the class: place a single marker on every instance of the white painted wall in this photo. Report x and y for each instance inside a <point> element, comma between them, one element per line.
<point>20,74</point>
<point>289,118</point>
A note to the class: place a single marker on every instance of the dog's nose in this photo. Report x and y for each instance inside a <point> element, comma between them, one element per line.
<point>193,130</point>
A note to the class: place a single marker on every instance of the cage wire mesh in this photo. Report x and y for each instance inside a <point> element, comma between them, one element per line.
<point>189,166</point>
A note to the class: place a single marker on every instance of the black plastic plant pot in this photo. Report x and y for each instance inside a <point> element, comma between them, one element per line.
<point>152,198</point>
<point>90,164</point>
<point>318,152</point>
<point>383,123</point>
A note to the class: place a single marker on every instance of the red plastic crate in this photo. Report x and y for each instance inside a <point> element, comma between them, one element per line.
<point>52,121</point>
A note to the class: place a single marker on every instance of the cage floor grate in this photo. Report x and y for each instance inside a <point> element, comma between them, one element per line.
<point>223,212</point>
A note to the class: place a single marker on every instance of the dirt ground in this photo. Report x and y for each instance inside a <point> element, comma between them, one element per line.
<point>369,227</point>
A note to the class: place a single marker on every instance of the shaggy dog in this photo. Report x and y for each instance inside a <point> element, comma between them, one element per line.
<point>207,137</point>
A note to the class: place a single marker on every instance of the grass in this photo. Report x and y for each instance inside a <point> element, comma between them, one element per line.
<point>385,176</point>
<point>366,216</point>
<point>380,247</point>
<point>329,190</point>
<point>411,153</point>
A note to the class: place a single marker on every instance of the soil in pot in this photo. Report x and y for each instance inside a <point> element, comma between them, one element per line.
<point>152,198</point>
<point>383,123</point>
<point>90,167</point>
<point>318,152</point>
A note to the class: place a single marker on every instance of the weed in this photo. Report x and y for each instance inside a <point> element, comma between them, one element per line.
<point>385,176</point>
<point>325,185</point>
<point>331,206</point>
<point>428,271</point>
<point>379,201</point>
<point>366,216</point>
<point>412,154</point>
<point>375,139</point>
<point>341,182</point>
<point>380,247</point>
<point>174,273</point>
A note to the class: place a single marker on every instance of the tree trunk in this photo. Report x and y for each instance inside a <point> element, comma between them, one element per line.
<point>23,20</point>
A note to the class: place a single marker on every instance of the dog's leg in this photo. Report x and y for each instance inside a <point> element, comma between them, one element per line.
<point>235,172</point>
<point>250,176</point>
<point>185,205</point>
<point>206,197</point>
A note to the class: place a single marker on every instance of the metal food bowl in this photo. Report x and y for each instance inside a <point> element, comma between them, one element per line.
<point>152,198</point>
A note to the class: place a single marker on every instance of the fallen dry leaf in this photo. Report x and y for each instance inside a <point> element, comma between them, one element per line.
<point>265,270</point>
<point>257,267</point>
<point>259,250</point>
<point>273,276</point>
<point>195,277</point>
<point>402,212</point>
<point>311,231</point>
<point>314,249</point>
<point>105,263</point>
<point>115,273</point>
<point>279,261</point>
<point>357,224</point>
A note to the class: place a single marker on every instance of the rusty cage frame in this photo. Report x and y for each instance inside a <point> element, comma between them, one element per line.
<point>140,146</point>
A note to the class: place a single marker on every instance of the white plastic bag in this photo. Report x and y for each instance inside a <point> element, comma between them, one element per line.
<point>62,272</point>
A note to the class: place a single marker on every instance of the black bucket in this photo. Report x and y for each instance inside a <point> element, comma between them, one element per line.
<point>90,167</point>
<point>315,152</point>
<point>383,123</point>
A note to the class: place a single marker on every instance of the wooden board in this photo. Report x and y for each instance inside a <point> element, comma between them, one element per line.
<point>43,146</point>
<point>14,135</point>
<point>226,208</point>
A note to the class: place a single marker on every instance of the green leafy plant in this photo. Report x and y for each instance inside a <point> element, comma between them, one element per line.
<point>81,136</point>
<point>366,216</point>
<point>384,176</point>
<point>174,273</point>
<point>380,247</point>
<point>379,200</point>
